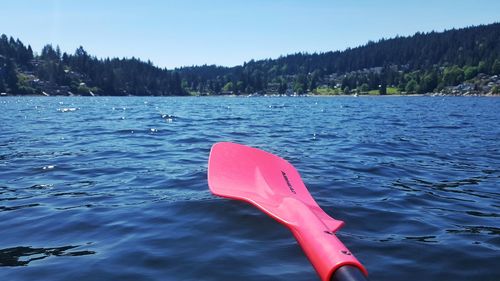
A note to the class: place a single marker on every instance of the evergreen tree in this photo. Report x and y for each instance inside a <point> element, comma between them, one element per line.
<point>428,83</point>
<point>11,79</point>
<point>383,89</point>
<point>2,85</point>
<point>496,67</point>
<point>470,72</point>
<point>411,87</point>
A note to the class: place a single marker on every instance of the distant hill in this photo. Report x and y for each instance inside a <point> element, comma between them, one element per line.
<point>422,63</point>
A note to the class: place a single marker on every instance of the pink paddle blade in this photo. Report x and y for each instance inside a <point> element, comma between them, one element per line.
<point>274,186</point>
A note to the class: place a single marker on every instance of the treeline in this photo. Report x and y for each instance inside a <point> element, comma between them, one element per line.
<point>424,62</point>
<point>22,72</point>
<point>431,79</point>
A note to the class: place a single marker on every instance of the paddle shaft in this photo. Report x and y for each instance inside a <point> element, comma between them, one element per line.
<point>348,273</point>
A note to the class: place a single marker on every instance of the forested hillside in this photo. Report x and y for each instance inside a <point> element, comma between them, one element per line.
<point>422,63</point>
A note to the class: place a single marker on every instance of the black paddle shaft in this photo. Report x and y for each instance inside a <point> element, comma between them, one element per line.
<point>348,273</point>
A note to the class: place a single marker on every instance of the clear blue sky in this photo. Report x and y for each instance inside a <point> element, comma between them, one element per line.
<point>228,32</point>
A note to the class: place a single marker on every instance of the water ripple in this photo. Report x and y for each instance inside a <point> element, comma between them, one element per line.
<point>414,178</point>
<point>22,256</point>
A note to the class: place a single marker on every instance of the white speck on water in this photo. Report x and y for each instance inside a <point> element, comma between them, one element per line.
<point>48,167</point>
<point>68,109</point>
<point>168,118</point>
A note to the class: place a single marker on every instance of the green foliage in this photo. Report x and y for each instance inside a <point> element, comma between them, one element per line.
<point>48,53</point>
<point>313,81</point>
<point>482,67</point>
<point>10,76</point>
<point>428,83</point>
<point>495,69</point>
<point>389,91</point>
<point>23,86</point>
<point>298,89</point>
<point>411,87</point>
<point>300,84</point>
<point>26,90</point>
<point>84,90</point>
<point>228,87</point>
<point>470,72</point>
<point>453,75</point>
<point>327,91</point>
<point>2,85</point>
<point>364,88</point>
<point>282,87</point>
<point>383,89</point>
<point>240,86</point>
<point>392,91</point>
<point>402,86</point>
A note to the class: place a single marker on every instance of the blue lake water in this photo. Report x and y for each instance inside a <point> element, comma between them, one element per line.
<point>114,188</point>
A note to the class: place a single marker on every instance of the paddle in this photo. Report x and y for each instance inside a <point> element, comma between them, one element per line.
<point>274,186</point>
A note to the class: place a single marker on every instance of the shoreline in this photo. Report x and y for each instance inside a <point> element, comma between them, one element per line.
<point>268,96</point>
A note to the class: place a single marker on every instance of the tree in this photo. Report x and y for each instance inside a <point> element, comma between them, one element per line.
<point>48,53</point>
<point>313,83</point>
<point>81,60</point>
<point>300,84</point>
<point>402,86</point>
<point>495,69</point>
<point>453,76</point>
<point>11,79</point>
<point>411,86</point>
<point>428,83</point>
<point>240,86</point>
<point>383,89</point>
<point>228,87</point>
<point>482,67</point>
<point>347,91</point>
<point>58,52</point>
<point>176,87</point>
<point>470,72</point>
<point>298,88</point>
<point>282,87</point>
<point>2,84</point>
<point>364,88</point>
<point>109,84</point>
